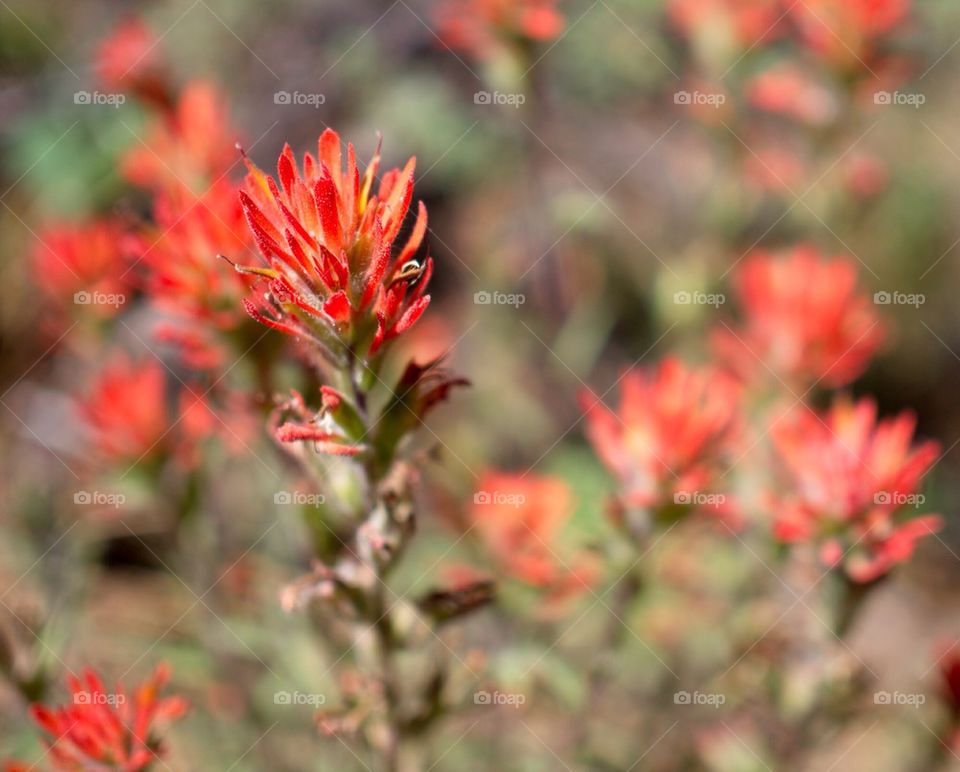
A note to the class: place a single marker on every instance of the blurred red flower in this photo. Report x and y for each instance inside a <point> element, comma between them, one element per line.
<point>666,443</point>
<point>787,89</point>
<point>519,518</point>
<point>183,276</point>
<point>804,320</point>
<point>99,730</point>
<point>846,32</point>
<point>132,419</point>
<point>191,146</point>
<point>130,59</point>
<point>329,243</point>
<point>83,265</point>
<point>478,26</point>
<point>851,479</point>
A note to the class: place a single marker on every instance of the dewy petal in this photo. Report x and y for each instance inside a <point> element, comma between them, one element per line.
<point>337,307</point>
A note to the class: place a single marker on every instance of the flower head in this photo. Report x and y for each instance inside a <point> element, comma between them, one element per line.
<point>804,320</point>
<point>334,276</point>
<point>131,419</point>
<point>182,276</point>
<point>82,265</point>
<point>191,146</point>
<point>789,90</point>
<point>479,27</point>
<point>852,478</point>
<point>129,59</point>
<point>667,441</point>
<point>847,32</point>
<point>108,731</point>
<point>519,519</point>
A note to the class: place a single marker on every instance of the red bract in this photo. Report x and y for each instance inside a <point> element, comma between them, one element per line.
<point>334,277</point>
<point>479,26</point>
<point>852,479</point>
<point>82,266</point>
<point>108,731</point>
<point>519,519</point>
<point>846,32</point>
<point>191,146</point>
<point>667,441</point>
<point>130,59</point>
<point>336,430</point>
<point>131,419</point>
<point>804,320</point>
<point>182,275</point>
<point>747,22</point>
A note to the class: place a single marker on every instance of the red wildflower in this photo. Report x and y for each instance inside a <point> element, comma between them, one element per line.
<point>189,147</point>
<point>803,319</point>
<point>183,276</point>
<point>746,22</point>
<point>131,418</point>
<point>852,477</point>
<point>478,27</point>
<point>666,443</point>
<point>519,519</point>
<point>788,90</point>
<point>130,59</point>
<point>82,265</point>
<point>846,32</point>
<point>100,730</point>
<point>334,277</point>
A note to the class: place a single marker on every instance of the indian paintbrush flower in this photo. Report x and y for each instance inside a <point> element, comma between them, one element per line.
<point>667,441</point>
<point>852,480</point>
<point>334,276</point>
<point>804,320</point>
<point>108,730</point>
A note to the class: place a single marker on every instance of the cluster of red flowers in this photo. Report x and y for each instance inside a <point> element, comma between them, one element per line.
<point>844,32</point>
<point>481,27</point>
<point>851,480</point>
<point>783,68</point>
